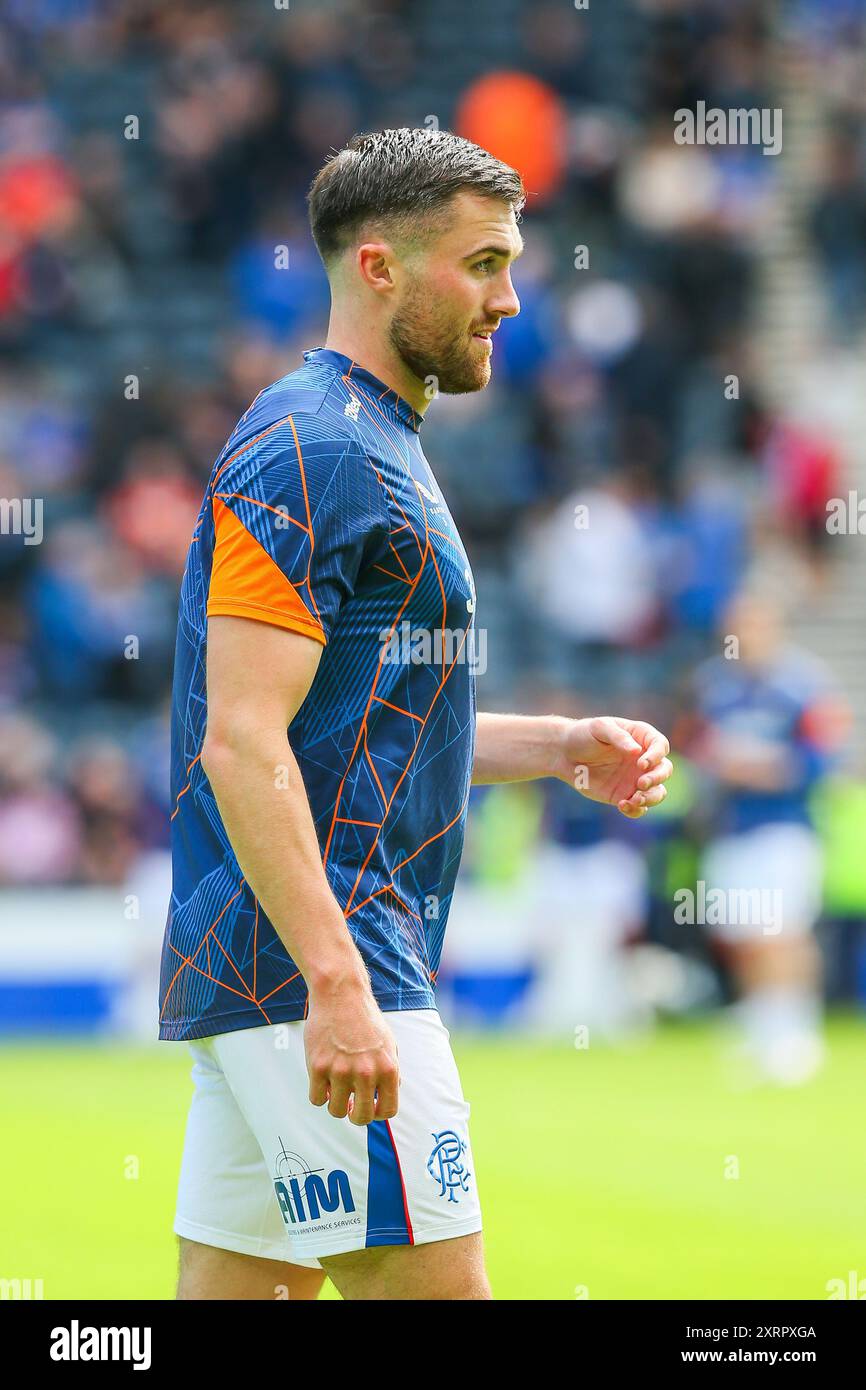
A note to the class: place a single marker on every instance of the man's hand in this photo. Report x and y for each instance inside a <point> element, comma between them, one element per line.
<point>350,1048</point>
<point>622,762</point>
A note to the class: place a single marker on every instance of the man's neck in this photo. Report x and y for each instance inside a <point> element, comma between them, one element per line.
<point>383,362</point>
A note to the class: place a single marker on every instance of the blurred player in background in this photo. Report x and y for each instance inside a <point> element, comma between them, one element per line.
<point>770,724</point>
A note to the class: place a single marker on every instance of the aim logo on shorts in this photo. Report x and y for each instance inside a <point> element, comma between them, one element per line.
<point>303,1194</point>
<point>445,1166</point>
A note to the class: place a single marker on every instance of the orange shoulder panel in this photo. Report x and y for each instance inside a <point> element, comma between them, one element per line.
<point>246,583</point>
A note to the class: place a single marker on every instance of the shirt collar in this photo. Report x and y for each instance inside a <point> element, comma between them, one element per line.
<point>385,396</point>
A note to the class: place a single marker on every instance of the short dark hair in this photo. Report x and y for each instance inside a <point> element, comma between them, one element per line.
<point>403,178</point>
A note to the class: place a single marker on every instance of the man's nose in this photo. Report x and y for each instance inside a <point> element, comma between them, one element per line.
<point>504,302</point>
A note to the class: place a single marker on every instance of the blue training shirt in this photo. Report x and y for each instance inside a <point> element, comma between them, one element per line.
<point>322,516</point>
<point>791,705</point>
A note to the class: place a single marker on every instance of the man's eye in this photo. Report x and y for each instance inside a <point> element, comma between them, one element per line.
<point>488,261</point>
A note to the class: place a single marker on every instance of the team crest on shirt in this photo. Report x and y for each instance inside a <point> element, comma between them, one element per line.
<point>353,405</point>
<point>445,1165</point>
<point>304,1194</point>
<point>431,496</point>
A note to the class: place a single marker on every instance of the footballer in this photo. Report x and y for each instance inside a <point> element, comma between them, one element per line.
<point>320,790</point>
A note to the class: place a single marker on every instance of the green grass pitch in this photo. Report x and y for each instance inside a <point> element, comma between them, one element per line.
<point>601,1170</point>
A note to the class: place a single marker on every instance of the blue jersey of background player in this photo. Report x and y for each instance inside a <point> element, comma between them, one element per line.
<point>769,722</point>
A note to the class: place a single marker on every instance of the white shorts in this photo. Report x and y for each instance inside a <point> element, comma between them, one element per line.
<point>266,1173</point>
<point>771,879</point>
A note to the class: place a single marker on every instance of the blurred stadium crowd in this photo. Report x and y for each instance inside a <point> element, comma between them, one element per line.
<point>154,156</point>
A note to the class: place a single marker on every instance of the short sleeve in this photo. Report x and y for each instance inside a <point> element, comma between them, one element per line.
<point>293,518</point>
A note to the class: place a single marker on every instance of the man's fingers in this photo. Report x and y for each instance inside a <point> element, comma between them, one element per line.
<point>318,1088</point>
<point>642,735</point>
<point>658,774</point>
<point>656,749</point>
<point>612,732</point>
<point>654,795</point>
<point>386,1099</point>
<point>338,1105</point>
<point>640,802</point>
<point>361,1108</point>
<point>359,1098</point>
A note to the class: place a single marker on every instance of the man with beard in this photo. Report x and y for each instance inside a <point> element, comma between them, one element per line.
<point>324,740</point>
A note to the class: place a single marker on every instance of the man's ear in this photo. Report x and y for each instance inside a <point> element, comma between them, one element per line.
<point>374,260</point>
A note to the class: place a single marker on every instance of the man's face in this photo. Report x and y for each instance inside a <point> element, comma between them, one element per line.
<point>757,626</point>
<point>456,292</point>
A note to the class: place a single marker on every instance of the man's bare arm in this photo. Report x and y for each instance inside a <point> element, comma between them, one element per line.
<point>258,676</point>
<point>516,747</point>
<point>622,762</point>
